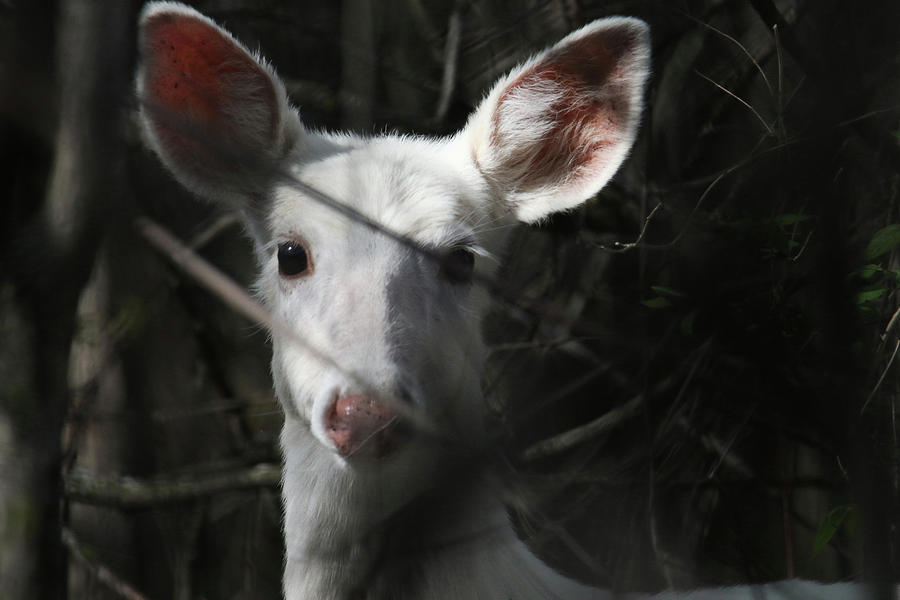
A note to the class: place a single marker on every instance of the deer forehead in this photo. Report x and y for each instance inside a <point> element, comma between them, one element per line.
<point>365,280</point>
<point>419,189</point>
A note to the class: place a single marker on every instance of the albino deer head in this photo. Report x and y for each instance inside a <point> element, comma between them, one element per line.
<point>375,249</point>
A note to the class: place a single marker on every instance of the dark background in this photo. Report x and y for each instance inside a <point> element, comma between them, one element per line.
<point>714,329</point>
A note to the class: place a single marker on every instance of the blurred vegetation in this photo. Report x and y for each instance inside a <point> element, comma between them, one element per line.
<point>711,399</point>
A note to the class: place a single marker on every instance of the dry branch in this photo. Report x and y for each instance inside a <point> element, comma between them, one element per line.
<point>133,493</point>
<point>593,430</point>
<point>242,302</point>
<point>451,60</point>
<point>101,572</point>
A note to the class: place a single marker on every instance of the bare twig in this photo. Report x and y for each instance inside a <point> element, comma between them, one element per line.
<point>589,431</point>
<point>235,156</point>
<point>739,45</point>
<point>358,77</point>
<point>895,318</point>
<point>165,415</point>
<point>221,223</point>
<point>574,12</point>
<point>563,392</point>
<point>211,278</point>
<point>721,449</point>
<point>537,344</point>
<point>624,246</point>
<point>451,60</point>
<point>881,378</point>
<point>796,257</point>
<point>706,192</point>
<point>101,572</point>
<point>780,61</point>
<point>131,493</point>
<point>239,300</point>
<point>739,99</point>
<point>772,486</point>
<point>242,302</point>
<point>786,520</point>
<point>868,115</point>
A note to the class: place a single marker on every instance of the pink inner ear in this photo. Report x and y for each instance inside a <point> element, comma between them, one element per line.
<point>589,113</point>
<point>195,76</point>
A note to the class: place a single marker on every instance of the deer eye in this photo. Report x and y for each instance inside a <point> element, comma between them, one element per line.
<point>457,265</point>
<point>293,259</point>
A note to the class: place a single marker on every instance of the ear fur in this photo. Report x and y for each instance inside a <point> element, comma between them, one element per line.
<point>215,113</point>
<point>552,133</point>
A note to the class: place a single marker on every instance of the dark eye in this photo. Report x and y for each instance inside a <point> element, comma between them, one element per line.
<point>293,259</point>
<point>457,265</point>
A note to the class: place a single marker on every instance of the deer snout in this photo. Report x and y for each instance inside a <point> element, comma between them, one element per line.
<point>361,425</point>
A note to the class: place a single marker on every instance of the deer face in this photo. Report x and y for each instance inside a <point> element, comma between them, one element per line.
<point>387,299</point>
<point>372,251</point>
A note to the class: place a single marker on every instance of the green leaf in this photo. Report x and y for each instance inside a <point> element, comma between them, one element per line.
<point>869,271</point>
<point>884,240</point>
<point>871,293</point>
<point>867,310</point>
<point>687,323</point>
<point>658,302</point>
<point>830,525</point>
<point>666,291</point>
<point>130,319</point>
<point>791,219</point>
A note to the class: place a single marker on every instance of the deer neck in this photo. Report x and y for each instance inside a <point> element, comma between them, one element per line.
<point>347,537</point>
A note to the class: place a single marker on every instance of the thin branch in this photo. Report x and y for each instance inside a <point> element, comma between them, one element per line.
<point>895,318</point>
<point>239,300</point>
<point>538,344</point>
<point>451,61</point>
<point>868,115</point>
<point>575,13</point>
<point>101,572</point>
<point>624,246</point>
<point>709,188</point>
<point>165,415</point>
<point>242,167</point>
<point>739,45</point>
<point>799,253</point>
<point>219,224</point>
<point>773,486</point>
<point>780,62</point>
<point>881,379</point>
<point>723,450</point>
<point>739,99</point>
<point>132,493</point>
<point>562,393</point>
<point>597,428</point>
<point>676,405</point>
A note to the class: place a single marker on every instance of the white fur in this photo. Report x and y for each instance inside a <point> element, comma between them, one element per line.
<point>423,522</point>
<point>525,118</point>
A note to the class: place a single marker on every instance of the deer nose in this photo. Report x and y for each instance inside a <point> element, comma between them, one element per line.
<point>361,425</point>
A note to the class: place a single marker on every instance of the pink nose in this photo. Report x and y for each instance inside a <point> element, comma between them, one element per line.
<point>362,426</point>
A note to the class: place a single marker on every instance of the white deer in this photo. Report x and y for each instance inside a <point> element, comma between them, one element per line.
<point>372,250</point>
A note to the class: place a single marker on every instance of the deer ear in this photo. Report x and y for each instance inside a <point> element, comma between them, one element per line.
<point>556,129</point>
<point>215,113</point>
